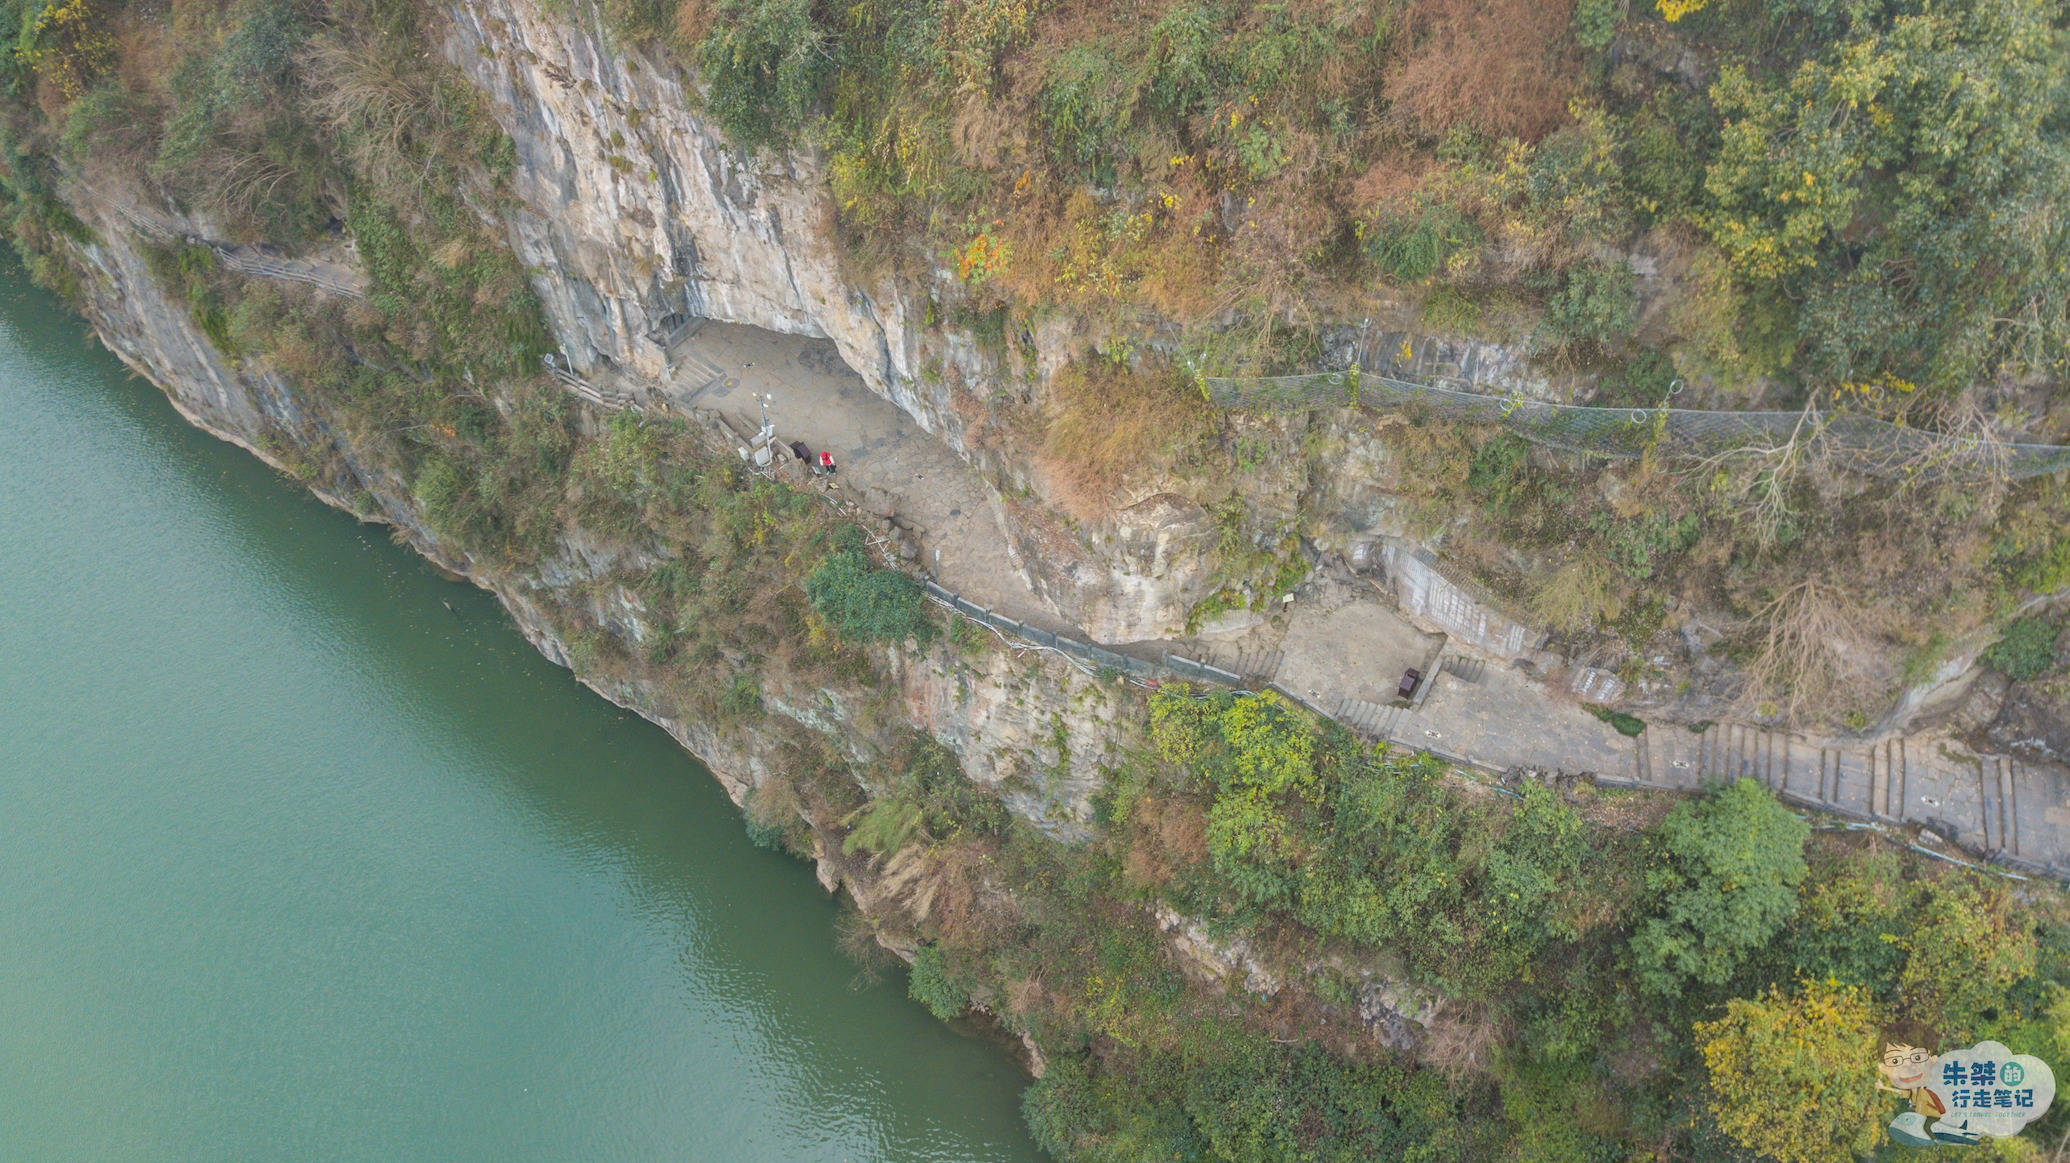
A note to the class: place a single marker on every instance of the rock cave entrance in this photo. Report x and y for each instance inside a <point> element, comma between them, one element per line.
<point>889,466</point>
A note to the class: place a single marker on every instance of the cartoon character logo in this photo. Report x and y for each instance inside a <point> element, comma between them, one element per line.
<point>1908,1068</point>
<point>1959,1097</point>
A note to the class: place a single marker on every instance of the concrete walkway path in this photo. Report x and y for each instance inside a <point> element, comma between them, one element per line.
<point>1343,653</point>
<point>887,463</point>
<point>1340,656</point>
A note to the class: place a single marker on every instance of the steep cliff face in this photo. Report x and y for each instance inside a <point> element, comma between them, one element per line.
<point>636,218</point>
<point>157,338</point>
<point>1026,721</point>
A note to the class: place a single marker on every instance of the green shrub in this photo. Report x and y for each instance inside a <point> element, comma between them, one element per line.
<point>1724,881</point>
<point>1186,63</point>
<point>1086,104</point>
<point>766,63</point>
<point>190,272</point>
<point>1255,1104</point>
<point>929,984</point>
<point>1498,474</point>
<point>743,699</point>
<point>1642,547</point>
<point>881,826</point>
<point>1257,753</point>
<point>2027,651</point>
<point>927,796</point>
<point>864,602</point>
<point>2047,570</point>
<point>762,835</point>
<point>1409,249</point>
<point>1450,311</point>
<point>108,118</point>
<point>1593,304</point>
<point>1664,172</point>
<point>1595,22</point>
<point>636,20</point>
<point>442,488</point>
<point>1845,926</point>
<point>950,803</point>
<point>255,58</point>
<point>1641,382</point>
<point>1624,723</point>
<point>1890,229</point>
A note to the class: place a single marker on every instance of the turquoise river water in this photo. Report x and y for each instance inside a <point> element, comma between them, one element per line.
<point>305,854</point>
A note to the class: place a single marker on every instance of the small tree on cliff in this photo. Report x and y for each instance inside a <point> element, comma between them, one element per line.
<point>1725,880</point>
<point>865,603</point>
<point>1792,1077</point>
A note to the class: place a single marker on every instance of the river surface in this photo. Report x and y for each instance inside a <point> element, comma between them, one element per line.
<point>304,853</point>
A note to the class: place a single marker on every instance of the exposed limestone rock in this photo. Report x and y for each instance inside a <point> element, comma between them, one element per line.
<point>1228,960</point>
<point>1026,719</point>
<point>1394,1010</point>
<point>635,217</point>
<point>1150,574</point>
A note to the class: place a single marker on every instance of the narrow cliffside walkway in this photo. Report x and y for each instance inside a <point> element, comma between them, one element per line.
<point>1345,647</point>
<point>1343,654</point>
<point>333,275</point>
<point>889,465</point>
<point>1483,713</point>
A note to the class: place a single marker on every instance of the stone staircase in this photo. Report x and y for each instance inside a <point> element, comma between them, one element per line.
<point>691,373</point>
<point>1972,801</point>
<point>1364,718</point>
<point>329,278</point>
<point>611,398</point>
<point>1384,722</point>
<point>1998,779</point>
<point>1463,668</point>
<point>1258,665</point>
<point>1868,782</point>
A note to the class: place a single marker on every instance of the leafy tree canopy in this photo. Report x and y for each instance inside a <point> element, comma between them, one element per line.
<point>864,602</point>
<point>1792,1076</point>
<point>1725,881</point>
<point>1907,178</point>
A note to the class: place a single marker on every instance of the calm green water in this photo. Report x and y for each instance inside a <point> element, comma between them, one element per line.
<point>305,854</point>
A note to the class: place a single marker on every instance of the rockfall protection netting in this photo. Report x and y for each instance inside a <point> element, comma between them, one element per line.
<point>1863,443</point>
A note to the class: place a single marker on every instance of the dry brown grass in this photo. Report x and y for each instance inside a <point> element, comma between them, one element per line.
<point>1393,180</point>
<point>146,52</point>
<point>1502,67</point>
<point>956,897</point>
<point>1172,836</point>
<point>1164,254</point>
<point>692,20</point>
<point>1459,1040</point>
<point>1106,426</point>
<point>774,802</point>
<point>369,91</point>
<point>984,131</point>
<point>1814,651</point>
<point>1579,596</point>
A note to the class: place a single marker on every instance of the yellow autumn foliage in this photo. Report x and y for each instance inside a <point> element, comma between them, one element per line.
<point>1793,1076</point>
<point>69,45</point>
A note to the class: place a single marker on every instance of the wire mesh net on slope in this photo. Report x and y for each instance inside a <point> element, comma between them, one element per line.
<point>1869,444</point>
